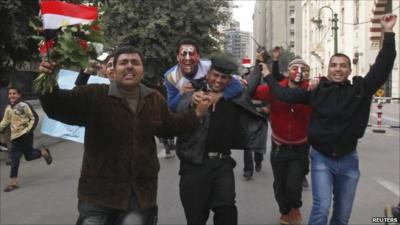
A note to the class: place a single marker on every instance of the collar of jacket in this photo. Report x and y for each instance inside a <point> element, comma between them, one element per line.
<point>327,82</point>
<point>15,103</point>
<point>143,90</point>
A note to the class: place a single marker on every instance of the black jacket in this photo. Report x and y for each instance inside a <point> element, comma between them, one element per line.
<point>340,111</point>
<point>249,125</point>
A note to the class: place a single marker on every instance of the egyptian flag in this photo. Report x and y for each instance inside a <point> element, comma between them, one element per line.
<point>57,13</point>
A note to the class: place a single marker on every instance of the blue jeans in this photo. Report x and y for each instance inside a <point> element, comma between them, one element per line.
<point>337,177</point>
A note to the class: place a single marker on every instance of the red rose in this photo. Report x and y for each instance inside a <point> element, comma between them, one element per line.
<point>84,44</point>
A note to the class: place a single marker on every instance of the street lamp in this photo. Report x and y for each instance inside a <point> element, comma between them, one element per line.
<point>335,27</point>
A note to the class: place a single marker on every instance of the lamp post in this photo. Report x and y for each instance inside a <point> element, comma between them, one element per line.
<point>335,27</point>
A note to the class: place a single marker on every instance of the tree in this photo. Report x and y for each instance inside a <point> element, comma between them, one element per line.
<point>15,45</point>
<point>155,27</point>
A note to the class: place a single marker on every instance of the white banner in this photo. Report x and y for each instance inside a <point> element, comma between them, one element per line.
<point>66,80</point>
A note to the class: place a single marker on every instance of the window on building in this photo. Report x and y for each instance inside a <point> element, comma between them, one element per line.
<point>291,44</point>
<point>291,10</point>
<point>292,33</point>
<point>291,20</point>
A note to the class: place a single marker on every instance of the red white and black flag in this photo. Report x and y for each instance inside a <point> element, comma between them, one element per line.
<point>57,13</point>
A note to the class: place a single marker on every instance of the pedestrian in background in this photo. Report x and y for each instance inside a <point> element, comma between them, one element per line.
<point>340,113</point>
<point>253,158</point>
<point>84,74</point>
<point>19,116</point>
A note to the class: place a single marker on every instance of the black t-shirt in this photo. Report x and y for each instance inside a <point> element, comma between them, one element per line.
<point>222,125</point>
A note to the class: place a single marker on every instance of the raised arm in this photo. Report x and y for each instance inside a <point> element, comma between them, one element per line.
<point>289,95</point>
<point>67,106</point>
<point>233,89</point>
<point>82,78</point>
<point>254,79</point>
<point>276,55</point>
<point>381,69</point>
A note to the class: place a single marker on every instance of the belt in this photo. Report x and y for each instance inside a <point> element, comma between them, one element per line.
<point>284,146</point>
<point>217,155</point>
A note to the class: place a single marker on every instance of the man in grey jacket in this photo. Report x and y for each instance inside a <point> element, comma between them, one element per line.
<point>207,180</point>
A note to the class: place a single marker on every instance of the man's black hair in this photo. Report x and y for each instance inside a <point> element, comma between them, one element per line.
<point>14,88</point>
<point>341,55</point>
<point>187,42</point>
<point>110,55</point>
<point>124,50</point>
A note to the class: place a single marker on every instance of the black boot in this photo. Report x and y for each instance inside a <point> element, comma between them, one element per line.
<point>225,215</point>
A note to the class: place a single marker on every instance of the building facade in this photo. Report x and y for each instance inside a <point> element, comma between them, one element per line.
<point>238,43</point>
<point>306,27</point>
<point>359,35</point>
<point>278,23</point>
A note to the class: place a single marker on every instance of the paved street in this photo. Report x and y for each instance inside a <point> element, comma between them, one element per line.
<point>48,193</point>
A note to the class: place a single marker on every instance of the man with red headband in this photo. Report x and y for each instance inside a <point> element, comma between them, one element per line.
<point>289,151</point>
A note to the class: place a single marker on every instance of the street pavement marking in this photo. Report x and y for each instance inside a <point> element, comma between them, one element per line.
<point>386,118</point>
<point>392,187</point>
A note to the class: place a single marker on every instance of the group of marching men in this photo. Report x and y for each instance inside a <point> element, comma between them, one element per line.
<point>211,112</point>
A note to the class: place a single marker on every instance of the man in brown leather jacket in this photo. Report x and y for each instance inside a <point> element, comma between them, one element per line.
<point>118,183</point>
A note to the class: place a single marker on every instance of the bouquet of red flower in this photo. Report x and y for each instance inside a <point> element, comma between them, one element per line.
<point>70,35</point>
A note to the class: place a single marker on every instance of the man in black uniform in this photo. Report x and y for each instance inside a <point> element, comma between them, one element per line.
<point>207,179</point>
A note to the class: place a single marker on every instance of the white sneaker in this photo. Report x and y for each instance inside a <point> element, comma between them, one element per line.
<point>3,148</point>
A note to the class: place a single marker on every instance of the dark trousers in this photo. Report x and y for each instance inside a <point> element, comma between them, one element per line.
<point>289,168</point>
<point>249,160</point>
<point>22,146</point>
<point>90,214</point>
<point>210,186</point>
